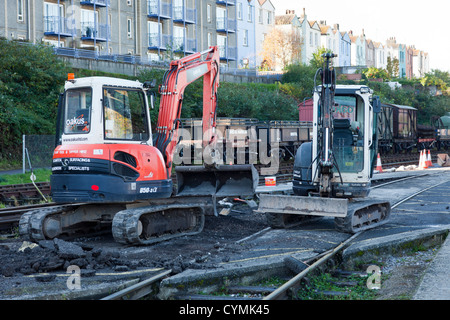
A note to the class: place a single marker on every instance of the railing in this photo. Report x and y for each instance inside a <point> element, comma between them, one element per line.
<point>224,24</point>
<point>158,8</point>
<point>54,25</point>
<point>158,41</point>
<point>100,3</point>
<point>228,53</point>
<point>226,2</point>
<point>183,14</point>
<point>89,31</point>
<point>182,44</point>
<point>132,59</point>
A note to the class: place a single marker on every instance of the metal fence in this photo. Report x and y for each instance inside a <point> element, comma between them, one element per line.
<point>37,151</point>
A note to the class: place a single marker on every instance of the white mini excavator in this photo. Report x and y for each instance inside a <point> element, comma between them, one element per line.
<point>332,174</point>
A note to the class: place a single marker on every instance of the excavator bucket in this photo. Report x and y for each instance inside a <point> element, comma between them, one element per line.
<point>221,180</point>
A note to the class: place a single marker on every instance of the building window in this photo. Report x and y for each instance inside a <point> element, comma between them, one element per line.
<point>89,22</point>
<point>269,17</point>
<point>209,39</point>
<point>249,14</point>
<point>129,28</point>
<point>178,38</point>
<point>208,13</point>
<point>53,18</point>
<point>222,44</point>
<point>154,34</point>
<point>245,43</point>
<point>129,3</point>
<point>239,11</point>
<point>19,10</point>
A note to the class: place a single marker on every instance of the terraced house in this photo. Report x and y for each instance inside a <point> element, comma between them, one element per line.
<point>152,29</point>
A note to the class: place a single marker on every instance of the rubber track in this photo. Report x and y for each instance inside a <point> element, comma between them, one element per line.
<point>31,223</point>
<point>346,224</point>
<point>125,224</point>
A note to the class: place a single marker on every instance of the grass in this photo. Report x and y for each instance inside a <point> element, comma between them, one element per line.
<point>42,175</point>
<point>324,283</point>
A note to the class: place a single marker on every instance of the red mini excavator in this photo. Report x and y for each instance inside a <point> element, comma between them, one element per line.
<point>108,167</point>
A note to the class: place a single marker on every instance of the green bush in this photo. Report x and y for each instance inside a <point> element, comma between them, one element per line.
<point>31,77</point>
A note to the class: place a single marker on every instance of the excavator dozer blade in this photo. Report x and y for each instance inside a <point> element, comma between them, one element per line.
<point>311,206</point>
<point>221,180</point>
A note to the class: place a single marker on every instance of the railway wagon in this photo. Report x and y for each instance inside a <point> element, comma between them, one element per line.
<point>284,137</point>
<point>249,138</point>
<point>397,128</point>
<point>236,138</point>
<point>442,127</point>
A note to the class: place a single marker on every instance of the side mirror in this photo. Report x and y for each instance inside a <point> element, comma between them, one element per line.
<point>152,100</point>
<point>376,104</point>
<point>150,84</point>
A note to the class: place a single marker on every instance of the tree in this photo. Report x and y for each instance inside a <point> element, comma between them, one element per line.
<point>392,67</point>
<point>31,78</point>
<point>281,48</point>
<point>317,60</point>
<point>376,73</point>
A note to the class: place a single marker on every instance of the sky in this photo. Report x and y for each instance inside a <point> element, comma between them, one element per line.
<point>423,24</point>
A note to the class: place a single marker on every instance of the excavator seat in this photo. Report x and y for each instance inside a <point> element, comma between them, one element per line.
<point>343,136</point>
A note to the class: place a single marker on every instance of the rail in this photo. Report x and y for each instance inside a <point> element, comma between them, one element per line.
<point>281,291</point>
<point>138,290</point>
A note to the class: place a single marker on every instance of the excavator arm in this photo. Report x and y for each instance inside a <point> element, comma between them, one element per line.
<point>182,73</point>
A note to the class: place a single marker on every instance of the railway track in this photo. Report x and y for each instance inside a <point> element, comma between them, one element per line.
<point>140,289</point>
<point>23,193</point>
<point>285,291</point>
<point>15,195</point>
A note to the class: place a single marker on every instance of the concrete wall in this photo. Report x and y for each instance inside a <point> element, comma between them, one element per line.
<point>134,69</point>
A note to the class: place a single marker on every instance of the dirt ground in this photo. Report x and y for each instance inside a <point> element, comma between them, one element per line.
<point>401,274</point>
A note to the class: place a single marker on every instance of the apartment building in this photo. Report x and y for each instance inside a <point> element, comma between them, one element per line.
<point>155,29</point>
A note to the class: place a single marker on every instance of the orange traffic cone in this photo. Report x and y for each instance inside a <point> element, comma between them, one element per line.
<point>425,162</point>
<point>421,160</point>
<point>429,163</point>
<point>379,167</point>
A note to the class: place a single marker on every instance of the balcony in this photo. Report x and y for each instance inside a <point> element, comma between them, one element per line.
<point>92,32</point>
<point>159,9</point>
<point>225,25</point>
<point>59,26</point>
<point>226,2</point>
<point>157,41</point>
<point>184,15</point>
<point>228,53</point>
<point>184,45</point>
<point>97,3</point>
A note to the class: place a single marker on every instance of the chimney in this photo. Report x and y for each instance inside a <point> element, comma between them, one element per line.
<point>336,26</point>
<point>304,12</point>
